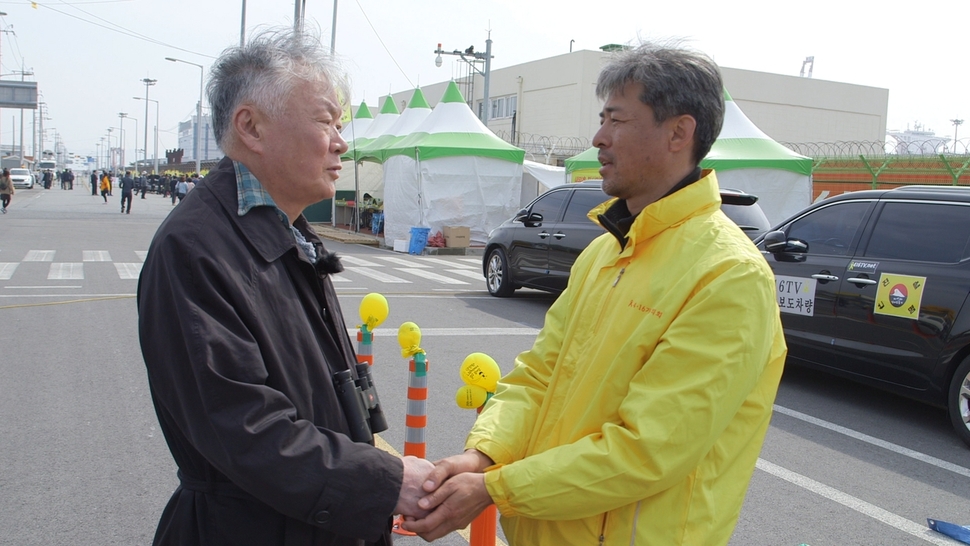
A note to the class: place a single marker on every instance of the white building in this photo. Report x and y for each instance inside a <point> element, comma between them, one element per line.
<point>549,107</point>
<point>208,149</point>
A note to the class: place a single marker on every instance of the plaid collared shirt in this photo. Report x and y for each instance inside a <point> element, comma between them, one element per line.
<point>251,194</point>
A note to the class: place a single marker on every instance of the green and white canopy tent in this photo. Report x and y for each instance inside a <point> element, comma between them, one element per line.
<point>357,127</point>
<point>356,175</point>
<point>451,171</point>
<point>744,158</point>
<point>410,119</point>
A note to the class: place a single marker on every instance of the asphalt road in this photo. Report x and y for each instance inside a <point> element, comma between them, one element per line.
<point>82,461</point>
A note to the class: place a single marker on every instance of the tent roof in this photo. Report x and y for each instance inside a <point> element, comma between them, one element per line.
<point>409,120</point>
<point>378,127</point>
<point>451,129</point>
<point>740,145</point>
<point>358,125</point>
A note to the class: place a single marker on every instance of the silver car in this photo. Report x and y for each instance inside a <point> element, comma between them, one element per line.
<point>22,178</point>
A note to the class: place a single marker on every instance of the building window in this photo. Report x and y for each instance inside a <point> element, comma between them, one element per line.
<point>503,107</point>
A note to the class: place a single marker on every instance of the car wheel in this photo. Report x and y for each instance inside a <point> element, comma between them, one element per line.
<point>497,277</point>
<point>958,401</point>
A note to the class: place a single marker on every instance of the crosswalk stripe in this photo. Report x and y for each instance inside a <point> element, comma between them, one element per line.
<point>66,270</point>
<point>338,278</point>
<point>476,261</point>
<point>7,269</point>
<point>128,270</point>
<point>377,275</point>
<point>39,256</point>
<point>142,254</point>
<point>427,275</point>
<point>95,256</point>
<point>474,275</point>
<point>403,262</point>
<point>353,260</point>
<point>447,263</point>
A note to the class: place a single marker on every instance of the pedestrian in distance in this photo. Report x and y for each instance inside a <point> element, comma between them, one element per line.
<point>638,414</point>
<point>6,190</point>
<point>94,182</point>
<point>105,187</point>
<point>127,189</point>
<point>182,188</point>
<point>173,186</point>
<point>242,332</point>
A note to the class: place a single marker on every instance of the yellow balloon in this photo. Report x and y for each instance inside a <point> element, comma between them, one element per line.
<point>373,310</point>
<point>470,397</point>
<point>480,370</point>
<point>409,335</point>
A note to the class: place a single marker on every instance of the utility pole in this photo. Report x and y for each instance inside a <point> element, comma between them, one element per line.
<point>956,125</point>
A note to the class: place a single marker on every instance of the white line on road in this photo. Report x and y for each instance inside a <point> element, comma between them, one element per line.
<point>451,263</point>
<point>6,270</point>
<point>46,286</point>
<point>39,256</point>
<point>855,503</point>
<point>470,273</point>
<point>377,275</point>
<point>456,332</point>
<point>403,262</point>
<point>476,261</point>
<point>360,262</point>
<point>142,254</point>
<point>906,452</point>
<point>128,270</point>
<point>95,256</point>
<point>66,271</point>
<point>427,275</point>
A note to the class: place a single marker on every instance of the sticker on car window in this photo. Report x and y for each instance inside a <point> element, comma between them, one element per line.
<point>862,266</point>
<point>796,295</point>
<point>899,295</point>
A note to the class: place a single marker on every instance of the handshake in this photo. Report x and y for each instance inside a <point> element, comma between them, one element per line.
<point>438,498</point>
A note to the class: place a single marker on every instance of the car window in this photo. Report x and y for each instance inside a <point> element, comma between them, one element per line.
<point>583,201</point>
<point>830,230</point>
<point>750,218</point>
<point>18,171</point>
<point>549,205</point>
<point>927,232</point>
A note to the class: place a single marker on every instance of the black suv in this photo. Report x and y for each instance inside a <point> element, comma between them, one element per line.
<point>537,247</point>
<point>873,286</point>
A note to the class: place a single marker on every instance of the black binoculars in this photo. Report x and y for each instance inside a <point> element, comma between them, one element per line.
<point>360,403</point>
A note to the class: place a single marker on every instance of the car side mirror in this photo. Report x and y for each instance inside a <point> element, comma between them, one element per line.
<point>777,241</point>
<point>521,215</point>
<point>533,219</point>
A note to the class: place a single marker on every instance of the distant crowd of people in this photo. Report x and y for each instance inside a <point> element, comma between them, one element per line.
<point>174,186</point>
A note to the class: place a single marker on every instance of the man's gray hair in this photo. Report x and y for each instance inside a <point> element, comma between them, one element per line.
<point>676,81</point>
<point>265,71</point>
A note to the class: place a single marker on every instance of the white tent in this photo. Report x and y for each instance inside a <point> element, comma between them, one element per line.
<point>745,159</point>
<point>365,177</point>
<point>538,178</point>
<point>451,171</point>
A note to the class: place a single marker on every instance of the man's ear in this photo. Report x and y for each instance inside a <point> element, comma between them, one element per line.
<point>682,132</point>
<point>247,123</point>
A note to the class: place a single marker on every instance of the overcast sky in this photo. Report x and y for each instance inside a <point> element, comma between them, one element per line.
<point>89,56</point>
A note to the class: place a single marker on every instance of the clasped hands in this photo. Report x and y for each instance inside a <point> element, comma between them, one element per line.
<point>440,498</point>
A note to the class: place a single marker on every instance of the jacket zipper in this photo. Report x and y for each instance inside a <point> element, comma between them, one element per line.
<point>603,529</point>
<point>605,304</point>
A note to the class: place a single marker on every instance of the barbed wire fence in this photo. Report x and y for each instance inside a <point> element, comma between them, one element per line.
<point>551,150</point>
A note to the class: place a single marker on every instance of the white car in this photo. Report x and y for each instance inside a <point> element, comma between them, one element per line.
<point>22,178</point>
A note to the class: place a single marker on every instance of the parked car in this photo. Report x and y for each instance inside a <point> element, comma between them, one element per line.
<point>873,286</point>
<point>22,178</point>
<point>537,247</point>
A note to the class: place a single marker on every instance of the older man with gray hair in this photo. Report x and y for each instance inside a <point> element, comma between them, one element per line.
<point>639,412</point>
<point>242,333</point>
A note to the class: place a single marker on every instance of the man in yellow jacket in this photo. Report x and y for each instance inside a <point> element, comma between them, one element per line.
<point>638,415</point>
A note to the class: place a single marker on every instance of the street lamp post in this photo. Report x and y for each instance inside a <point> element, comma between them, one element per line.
<point>121,122</point>
<point>155,168</point>
<point>956,125</point>
<point>476,56</point>
<point>111,155</point>
<point>198,115</point>
<point>148,83</point>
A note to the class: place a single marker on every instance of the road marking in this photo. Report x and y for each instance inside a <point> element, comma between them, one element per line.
<point>142,254</point>
<point>7,269</point>
<point>403,262</point>
<point>65,270</point>
<point>470,273</point>
<point>427,275</point>
<point>476,261</point>
<point>360,262</point>
<point>456,332</point>
<point>338,278</point>
<point>39,256</point>
<point>857,504</point>
<point>451,263</point>
<point>904,451</point>
<point>95,256</point>
<point>377,275</point>
<point>46,286</point>
<point>128,270</point>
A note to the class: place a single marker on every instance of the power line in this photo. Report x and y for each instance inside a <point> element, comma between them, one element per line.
<point>382,43</point>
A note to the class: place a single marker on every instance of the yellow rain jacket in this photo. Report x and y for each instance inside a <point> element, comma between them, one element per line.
<point>639,413</point>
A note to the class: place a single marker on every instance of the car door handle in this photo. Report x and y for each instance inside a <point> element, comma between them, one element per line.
<point>543,234</point>
<point>824,277</point>
<point>861,280</point>
<point>558,235</point>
